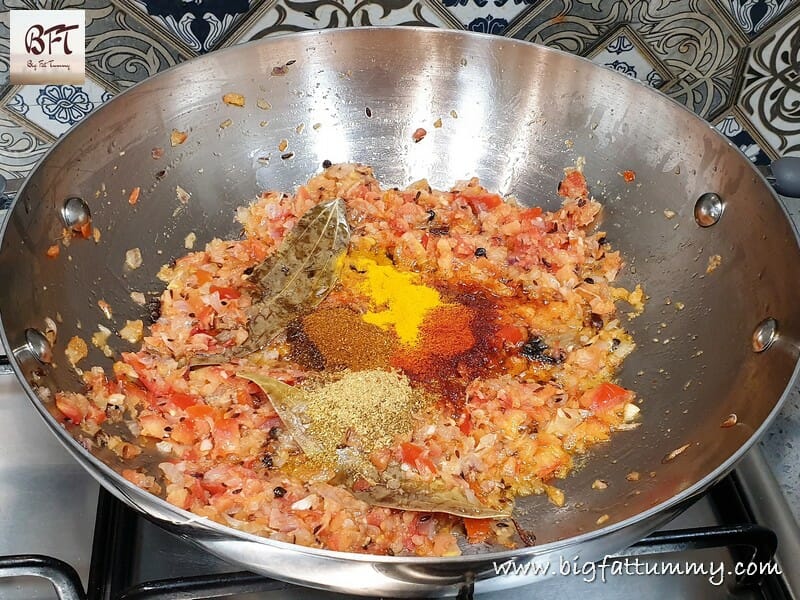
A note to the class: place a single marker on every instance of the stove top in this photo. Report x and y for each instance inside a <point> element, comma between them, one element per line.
<point>60,529</point>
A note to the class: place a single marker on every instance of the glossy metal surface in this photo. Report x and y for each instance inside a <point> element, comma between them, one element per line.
<point>515,115</point>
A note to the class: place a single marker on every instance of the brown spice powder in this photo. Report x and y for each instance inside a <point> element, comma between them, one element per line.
<point>345,341</point>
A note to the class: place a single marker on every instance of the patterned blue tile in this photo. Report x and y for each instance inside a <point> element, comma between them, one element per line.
<point>487,16</point>
<point>488,24</point>
<point>200,24</point>
<point>623,53</point>
<point>56,108</point>
<point>754,15</point>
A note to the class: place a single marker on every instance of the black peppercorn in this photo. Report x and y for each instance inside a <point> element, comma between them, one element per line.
<point>326,164</point>
<point>266,460</point>
<point>431,215</point>
<point>279,492</point>
<point>480,252</point>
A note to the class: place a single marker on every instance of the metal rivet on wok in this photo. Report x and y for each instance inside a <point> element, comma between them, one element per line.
<point>708,209</point>
<point>765,334</point>
<point>75,213</point>
<point>38,346</point>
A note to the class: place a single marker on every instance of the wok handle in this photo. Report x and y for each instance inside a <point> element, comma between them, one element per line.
<point>784,175</point>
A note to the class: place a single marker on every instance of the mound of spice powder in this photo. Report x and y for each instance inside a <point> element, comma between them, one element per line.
<point>455,346</point>
<point>400,301</point>
<point>338,338</point>
<point>371,407</point>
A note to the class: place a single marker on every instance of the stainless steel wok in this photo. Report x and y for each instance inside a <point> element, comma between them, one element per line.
<point>514,114</point>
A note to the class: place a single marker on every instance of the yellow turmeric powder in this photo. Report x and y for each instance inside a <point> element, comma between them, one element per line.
<point>398,299</point>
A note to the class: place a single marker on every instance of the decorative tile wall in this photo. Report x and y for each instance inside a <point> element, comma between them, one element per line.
<point>734,62</point>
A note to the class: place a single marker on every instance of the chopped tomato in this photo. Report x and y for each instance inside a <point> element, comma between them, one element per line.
<point>202,276</point>
<point>465,423</point>
<point>149,378</point>
<point>183,432</point>
<point>511,334</point>
<point>226,435</point>
<point>200,411</point>
<point>361,485</point>
<point>153,426</point>
<point>213,488</point>
<point>53,251</point>
<point>608,395</point>
<point>478,530</point>
<point>225,293</point>
<point>96,414</point>
<point>75,407</point>
<point>182,400</point>
<point>380,458</point>
<point>483,202</point>
<point>302,194</point>
<point>628,176</point>
<point>573,186</point>
<point>205,318</point>
<point>86,230</point>
<point>137,395</point>
<point>411,454</point>
<point>531,213</point>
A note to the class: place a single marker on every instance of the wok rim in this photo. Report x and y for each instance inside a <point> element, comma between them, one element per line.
<point>120,485</point>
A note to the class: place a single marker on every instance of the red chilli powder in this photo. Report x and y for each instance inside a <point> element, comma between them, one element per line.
<point>455,346</point>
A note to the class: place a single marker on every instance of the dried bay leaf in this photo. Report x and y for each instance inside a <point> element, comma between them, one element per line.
<point>290,405</point>
<point>294,279</point>
<point>451,501</point>
<point>301,273</point>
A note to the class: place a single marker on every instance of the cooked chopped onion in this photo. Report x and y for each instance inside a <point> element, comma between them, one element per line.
<point>305,503</point>
<point>565,421</point>
<point>165,447</point>
<point>133,258</point>
<point>630,412</point>
<point>139,298</point>
<point>76,350</point>
<point>675,453</point>
<point>133,331</point>
<point>116,399</point>
<point>50,330</point>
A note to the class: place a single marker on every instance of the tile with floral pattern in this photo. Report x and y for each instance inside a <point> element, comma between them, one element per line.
<point>56,108</point>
